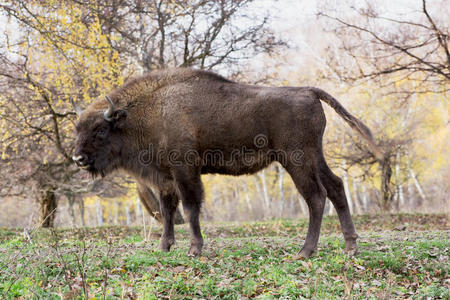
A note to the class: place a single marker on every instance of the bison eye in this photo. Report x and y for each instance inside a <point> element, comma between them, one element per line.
<point>101,133</point>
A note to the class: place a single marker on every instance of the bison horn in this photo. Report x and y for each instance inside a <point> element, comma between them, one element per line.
<point>109,112</point>
<point>76,107</point>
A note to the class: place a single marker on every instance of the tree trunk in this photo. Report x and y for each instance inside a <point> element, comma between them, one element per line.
<point>364,204</point>
<point>217,200</point>
<point>356,198</point>
<point>260,195</point>
<point>70,204</point>
<point>127,215</point>
<point>151,203</point>
<point>247,197</point>
<point>99,210</point>
<point>398,183</point>
<point>291,207</point>
<point>409,195</point>
<point>235,201</point>
<point>303,208</point>
<point>386,191</point>
<point>280,184</point>
<point>347,187</point>
<point>262,177</point>
<point>328,207</point>
<point>116,214</point>
<point>418,186</point>
<point>139,212</point>
<point>82,212</point>
<point>48,205</point>
<point>331,209</point>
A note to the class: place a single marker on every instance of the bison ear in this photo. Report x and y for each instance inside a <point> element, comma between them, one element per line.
<point>119,118</point>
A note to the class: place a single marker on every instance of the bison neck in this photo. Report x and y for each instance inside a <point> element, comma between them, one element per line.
<point>144,166</point>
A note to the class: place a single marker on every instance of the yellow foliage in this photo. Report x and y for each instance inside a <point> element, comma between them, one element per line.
<point>67,56</point>
<point>80,61</point>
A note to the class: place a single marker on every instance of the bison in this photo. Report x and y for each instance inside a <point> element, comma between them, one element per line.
<point>168,127</point>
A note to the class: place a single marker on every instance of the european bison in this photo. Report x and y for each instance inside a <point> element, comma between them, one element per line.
<point>168,127</point>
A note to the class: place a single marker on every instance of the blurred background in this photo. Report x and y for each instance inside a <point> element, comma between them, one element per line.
<point>388,62</point>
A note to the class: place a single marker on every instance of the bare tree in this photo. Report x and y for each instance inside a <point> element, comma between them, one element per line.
<point>413,46</point>
<point>200,33</point>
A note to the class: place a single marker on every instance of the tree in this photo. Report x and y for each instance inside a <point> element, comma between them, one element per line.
<point>414,46</point>
<point>200,33</point>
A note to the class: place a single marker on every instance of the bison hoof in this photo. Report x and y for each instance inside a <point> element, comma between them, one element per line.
<point>351,251</point>
<point>305,253</point>
<point>351,247</point>
<point>195,251</point>
<point>166,244</point>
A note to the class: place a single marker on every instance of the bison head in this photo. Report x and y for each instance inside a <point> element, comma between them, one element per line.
<point>99,140</point>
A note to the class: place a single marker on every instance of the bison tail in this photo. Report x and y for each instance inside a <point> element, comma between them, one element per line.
<point>354,123</point>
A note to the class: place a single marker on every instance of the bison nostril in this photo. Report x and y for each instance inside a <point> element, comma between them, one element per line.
<point>80,159</point>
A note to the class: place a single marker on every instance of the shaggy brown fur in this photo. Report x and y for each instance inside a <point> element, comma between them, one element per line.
<point>171,126</point>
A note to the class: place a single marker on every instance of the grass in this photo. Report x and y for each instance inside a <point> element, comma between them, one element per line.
<point>240,260</point>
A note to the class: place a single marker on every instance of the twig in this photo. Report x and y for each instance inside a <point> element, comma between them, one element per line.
<point>66,271</point>
<point>105,280</point>
<point>27,235</point>
<point>81,269</point>
<point>150,229</point>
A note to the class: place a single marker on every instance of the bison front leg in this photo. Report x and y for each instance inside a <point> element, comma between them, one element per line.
<point>191,193</point>
<point>169,203</point>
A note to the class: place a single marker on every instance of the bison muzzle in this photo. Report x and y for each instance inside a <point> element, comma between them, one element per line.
<point>168,127</point>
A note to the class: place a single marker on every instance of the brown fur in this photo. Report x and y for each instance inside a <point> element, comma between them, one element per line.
<point>196,115</point>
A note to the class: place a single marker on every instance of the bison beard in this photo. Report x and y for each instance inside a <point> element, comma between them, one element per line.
<point>159,128</point>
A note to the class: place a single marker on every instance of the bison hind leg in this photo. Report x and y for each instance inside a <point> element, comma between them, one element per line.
<point>307,180</point>
<point>336,194</point>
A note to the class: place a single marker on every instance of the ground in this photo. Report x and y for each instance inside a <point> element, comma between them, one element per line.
<point>400,256</point>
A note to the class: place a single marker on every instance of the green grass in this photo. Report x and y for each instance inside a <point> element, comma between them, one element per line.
<point>240,260</point>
